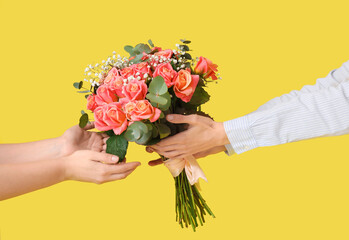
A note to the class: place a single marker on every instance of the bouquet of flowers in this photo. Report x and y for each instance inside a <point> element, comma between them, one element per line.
<point>130,98</point>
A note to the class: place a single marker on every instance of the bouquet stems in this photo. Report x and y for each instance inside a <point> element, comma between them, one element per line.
<point>190,205</point>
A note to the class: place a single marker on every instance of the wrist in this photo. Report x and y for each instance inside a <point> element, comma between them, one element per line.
<point>222,138</point>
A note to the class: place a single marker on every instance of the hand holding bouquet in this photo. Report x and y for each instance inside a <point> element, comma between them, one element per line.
<point>130,98</point>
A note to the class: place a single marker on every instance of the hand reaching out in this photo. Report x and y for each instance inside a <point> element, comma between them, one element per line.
<point>203,137</point>
<point>76,138</point>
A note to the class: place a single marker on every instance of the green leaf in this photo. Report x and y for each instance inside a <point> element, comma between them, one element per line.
<point>137,59</point>
<point>135,131</point>
<point>146,136</point>
<point>151,43</point>
<point>200,96</point>
<point>129,49</point>
<point>155,132</point>
<point>78,85</point>
<point>162,115</point>
<point>165,106</point>
<point>156,100</point>
<point>185,41</point>
<point>117,145</point>
<point>184,47</point>
<point>187,56</point>
<point>164,130</point>
<point>110,133</point>
<point>83,120</point>
<point>153,141</point>
<point>141,47</point>
<point>158,86</point>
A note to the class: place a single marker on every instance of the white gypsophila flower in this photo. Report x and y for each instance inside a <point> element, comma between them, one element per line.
<point>137,73</point>
<point>124,80</point>
<point>148,66</point>
<point>90,66</point>
<point>114,52</point>
<point>145,75</point>
<point>90,80</point>
<point>87,69</point>
<point>89,74</point>
<point>177,45</point>
<point>130,78</point>
<point>182,66</point>
<point>155,64</point>
<point>85,80</point>
<point>178,68</point>
<point>174,61</point>
<point>114,56</point>
<point>103,61</point>
<point>96,74</point>
<point>219,78</point>
<point>138,78</point>
<point>97,64</point>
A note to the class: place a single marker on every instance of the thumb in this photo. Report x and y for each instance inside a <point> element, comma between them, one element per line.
<point>178,118</point>
<point>89,126</point>
<point>103,157</point>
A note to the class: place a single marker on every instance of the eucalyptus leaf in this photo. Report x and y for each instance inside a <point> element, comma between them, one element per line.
<point>156,100</point>
<point>129,49</point>
<point>158,86</point>
<point>146,136</point>
<point>83,120</point>
<point>151,43</point>
<point>78,85</point>
<point>185,41</point>
<point>184,47</point>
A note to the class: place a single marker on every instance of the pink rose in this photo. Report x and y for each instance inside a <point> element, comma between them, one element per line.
<point>105,95</point>
<point>99,116</point>
<point>164,53</point>
<point>111,75</point>
<point>116,85</point>
<point>141,69</point>
<point>135,90</point>
<point>185,85</point>
<point>91,103</point>
<point>129,107</point>
<point>115,117</point>
<point>143,110</point>
<point>166,71</point>
<point>206,67</point>
<point>127,72</point>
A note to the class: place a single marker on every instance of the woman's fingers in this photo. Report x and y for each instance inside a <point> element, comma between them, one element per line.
<point>120,176</point>
<point>103,157</point>
<point>122,168</point>
<point>89,126</point>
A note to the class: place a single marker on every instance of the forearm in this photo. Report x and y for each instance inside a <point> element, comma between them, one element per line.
<point>31,151</point>
<point>20,178</point>
<point>317,114</point>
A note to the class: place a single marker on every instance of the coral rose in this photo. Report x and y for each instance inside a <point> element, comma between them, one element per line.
<point>143,110</point>
<point>166,71</point>
<point>135,90</point>
<point>185,85</point>
<point>105,95</point>
<point>206,67</point>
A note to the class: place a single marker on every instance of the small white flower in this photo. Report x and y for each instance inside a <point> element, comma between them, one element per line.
<point>114,56</point>
<point>219,78</point>
<point>178,68</point>
<point>103,61</point>
<point>130,78</point>
<point>177,45</point>
<point>148,66</point>
<point>85,80</point>
<point>155,64</point>
<point>87,69</point>
<point>137,73</point>
<point>145,75</point>
<point>90,80</point>
<point>182,66</point>
<point>125,80</point>
<point>138,78</point>
<point>114,52</point>
<point>97,64</point>
<point>89,74</point>
<point>174,61</point>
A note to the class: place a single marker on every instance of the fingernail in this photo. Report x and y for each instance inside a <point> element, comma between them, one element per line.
<point>115,158</point>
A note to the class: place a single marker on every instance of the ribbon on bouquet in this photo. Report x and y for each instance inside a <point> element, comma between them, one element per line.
<point>190,165</point>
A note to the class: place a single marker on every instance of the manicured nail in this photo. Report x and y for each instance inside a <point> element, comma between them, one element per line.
<point>115,158</point>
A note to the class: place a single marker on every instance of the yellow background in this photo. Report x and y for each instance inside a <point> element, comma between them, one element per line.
<point>263,48</point>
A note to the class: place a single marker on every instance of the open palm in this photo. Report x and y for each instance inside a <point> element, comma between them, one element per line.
<point>76,138</point>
